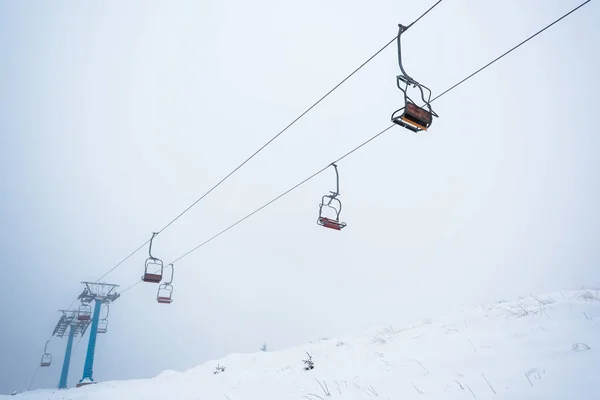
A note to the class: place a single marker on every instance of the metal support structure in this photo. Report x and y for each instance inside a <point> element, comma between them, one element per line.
<point>68,321</point>
<point>89,357</point>
<point>100,293</point>
<point>67,361</point>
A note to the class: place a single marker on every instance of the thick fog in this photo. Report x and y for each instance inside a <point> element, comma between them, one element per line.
<point>116,116</point>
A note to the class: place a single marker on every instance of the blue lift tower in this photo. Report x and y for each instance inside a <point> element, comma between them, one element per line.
<point>68,325</point>
<point>98,294</point>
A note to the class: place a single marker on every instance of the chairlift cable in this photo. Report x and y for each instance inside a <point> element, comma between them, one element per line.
<point>422,15</point>
<point>123,260</point>
<point>363,144</point>
<point>33,377</point>
<point>281,132</point>
<point>269,203</point>
<point>294,121</point>
<point>339,159</point>
<point>514,48</point>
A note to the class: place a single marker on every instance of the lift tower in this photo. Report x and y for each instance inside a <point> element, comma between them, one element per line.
<point>68,321</point>
<point>98,293</point>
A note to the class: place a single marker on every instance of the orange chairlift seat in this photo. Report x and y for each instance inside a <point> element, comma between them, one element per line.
<point>411,116</point>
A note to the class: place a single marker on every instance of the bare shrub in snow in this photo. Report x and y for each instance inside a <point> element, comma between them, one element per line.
<point>589,295</point>
<point>263,347</point>
<point>533,372</point>
<point>417,389</point>
<point>219,369</point>
<point>378,340</point>
<point>580,347</point>
<point>308,363</point>
<point>488,382</point>
<point>419,362</point>
<point>312,394</point>
<point>520,309</point>
<point>544,302</point>
<point>371,391</point>
<point>390,332</point>
<point>324,387</point>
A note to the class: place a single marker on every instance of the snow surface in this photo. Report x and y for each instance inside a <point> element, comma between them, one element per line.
<point>542,347</point>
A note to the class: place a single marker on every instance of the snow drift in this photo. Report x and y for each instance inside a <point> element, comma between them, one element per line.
<point>540,347</point>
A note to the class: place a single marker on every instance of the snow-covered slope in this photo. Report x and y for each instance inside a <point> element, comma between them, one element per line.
<point>542,347</point>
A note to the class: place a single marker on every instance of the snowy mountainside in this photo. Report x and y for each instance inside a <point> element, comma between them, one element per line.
<point>540,347</point>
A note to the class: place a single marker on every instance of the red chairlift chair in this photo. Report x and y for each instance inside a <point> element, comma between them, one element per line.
<point>164,295</point>
<point>46,360</point>
<point>152,263</point>
<point>84,313</point>
<point>332,202</point>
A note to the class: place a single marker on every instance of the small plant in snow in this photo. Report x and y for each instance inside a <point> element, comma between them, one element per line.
<point>219,369</point>
<point>324,387</point>
<point>588,295</point>
<point>580,347</point>
<point>263,347</point>
<point>519,310</point>
<point>544,302</point>
<point>378,340</point>
<point>308,363</point>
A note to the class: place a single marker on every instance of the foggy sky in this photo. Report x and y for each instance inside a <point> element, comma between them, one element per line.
<point>116,116</point>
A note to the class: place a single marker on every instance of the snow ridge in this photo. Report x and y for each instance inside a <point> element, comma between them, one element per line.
<point>540,347</point>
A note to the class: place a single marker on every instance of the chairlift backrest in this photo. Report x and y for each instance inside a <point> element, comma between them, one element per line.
<point>102,326</point>
<point>411,116</point>
<point>152,263</point>
<point>84,313</point>
<point>46,360</point>
<point>164,295</point>
<point>153,270</point>
<point>333,202</point>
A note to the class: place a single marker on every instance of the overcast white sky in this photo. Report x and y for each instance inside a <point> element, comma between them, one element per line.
<point>115,116</point>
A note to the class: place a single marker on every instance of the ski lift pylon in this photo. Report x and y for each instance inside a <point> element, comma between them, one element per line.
<point>164,295</point>
<point>331,201</point>
<point>151,264</point>
<point>411,116</point>
<point>46,360</point>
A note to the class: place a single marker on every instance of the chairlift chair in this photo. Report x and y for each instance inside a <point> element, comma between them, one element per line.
<point>46,360</point>
<point>102,326</point>
<point>330,201</point>
<point>164,295</point>
<point>411,116</point>
<point>103,322</point>
<point>84,313</point>
<point>153,263</point>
